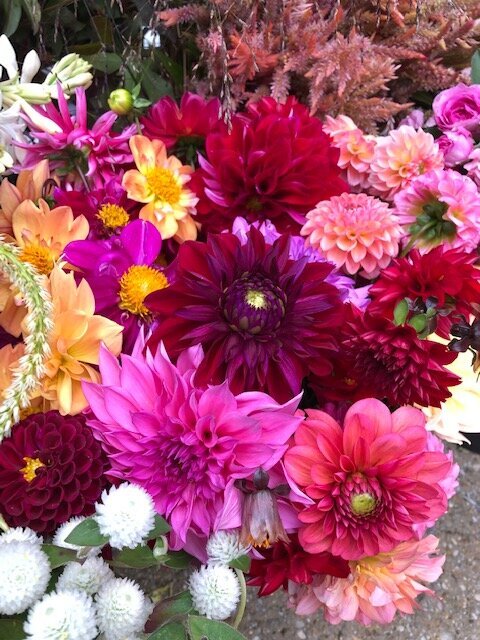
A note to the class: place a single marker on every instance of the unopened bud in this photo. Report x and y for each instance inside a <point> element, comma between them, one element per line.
<point>121,102</point>
<point>161,547</point>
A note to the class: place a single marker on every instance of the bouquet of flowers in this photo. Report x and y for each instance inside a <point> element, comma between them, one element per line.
<point>233,346</point>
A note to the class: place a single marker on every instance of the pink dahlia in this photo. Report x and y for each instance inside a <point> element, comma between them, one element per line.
<point>372,480</point>
<point>402,156</point>
<point>377,587</point>
<point>441,207</point>
<point>354,231</point>
<point>185,444</point>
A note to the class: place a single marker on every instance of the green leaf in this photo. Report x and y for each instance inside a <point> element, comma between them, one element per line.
<point>160,528</point>
<point>176,560</point>
<point>177,605</point>
<point>154,85</point>
<point>87,534</point>
<point>12,11</point>
<point>139,558</point>
<point>242,563</point>
<point>106,62</point>
<point>418,322</point>
<point>59,556</point>
<point>172,631</point>
<point>400,312</point>
<point>476,67</point>
<point>34,12</point>
<point>12,628</point>
<point>201,628</point>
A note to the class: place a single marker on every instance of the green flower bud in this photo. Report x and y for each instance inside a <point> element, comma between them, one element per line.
<point>121,102</point>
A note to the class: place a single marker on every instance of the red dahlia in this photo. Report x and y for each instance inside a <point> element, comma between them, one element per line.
<point>276,163</point>
<point>51,468</point>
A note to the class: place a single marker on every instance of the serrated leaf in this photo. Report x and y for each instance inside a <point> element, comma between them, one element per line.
<point>59,556</point>
<point>140,558</point>
<point>161,527</point>
<point>476,67</point>
<point>87,534</point>
<point>12,628</point>
<point>242,563</point>
<point>201,628</point>
<point>400,312</point>
<point>172,631</point>
<point>12,12</point>
<point>178,605</point>
<point>106,62</point>
<point>34,12</point>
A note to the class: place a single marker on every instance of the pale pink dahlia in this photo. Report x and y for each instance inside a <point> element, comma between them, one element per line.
<point>371,482</point>
<point>354,231</point>
<point>402,156</point>
<point>377,586</point>
<point>184,444</point>
<point>440,207</point>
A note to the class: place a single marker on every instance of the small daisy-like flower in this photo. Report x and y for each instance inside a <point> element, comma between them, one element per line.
<point>225,546</point>
<point>215,591</point>
<point>126,516</point>
<point>24,576</point>
<point>19,534</point>
<point>89,576</point>
<point>62,615</point>
<point>65,530</point>
<point>122,609</point>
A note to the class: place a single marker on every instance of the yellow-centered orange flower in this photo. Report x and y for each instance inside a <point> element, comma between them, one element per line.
<point>159,181</point>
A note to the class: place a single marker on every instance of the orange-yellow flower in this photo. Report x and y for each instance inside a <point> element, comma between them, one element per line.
<point>75,343</point>
<point>9,357</point>
<point>159,182</point>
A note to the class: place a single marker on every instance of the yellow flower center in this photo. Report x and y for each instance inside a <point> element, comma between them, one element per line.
<point>136,284</point>
<point>39,256</point>
<point>363,504</point>
<point>164,185</point>
<point>113,216</point>
<point>29,471</point>
<point>256,299</point>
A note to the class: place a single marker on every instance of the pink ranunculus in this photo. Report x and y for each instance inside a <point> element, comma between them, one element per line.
<point>458,108</point>
<point>456,147</point>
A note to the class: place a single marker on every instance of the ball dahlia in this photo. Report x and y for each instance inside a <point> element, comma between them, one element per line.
<point>263,320</point>
<point>51,468</point>
<point>371,480</point>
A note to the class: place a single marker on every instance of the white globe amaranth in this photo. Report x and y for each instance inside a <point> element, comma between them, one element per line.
<point>88,576</point>
<point>65,530</point>
<point>126,516</point>
<point>122,609</point>
<point>215,591</point>
<point>24,575</point>
<point>20,534</point>
<point>62,615</point>
<point>224,546</point>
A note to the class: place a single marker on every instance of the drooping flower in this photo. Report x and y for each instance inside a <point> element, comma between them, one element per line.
<point>263,320</point>
<point>159,182</point>
<point>371,481</point>
<point>440,207</point>
<point>402,156</point>
<point>354,231</point>
<point>377,588</point>
<point>122,609</point>
<point>289,561</point>
<point>88,576</point>
<point>215,591</point>
<point>62,614</point>
<point>276,163</point>
<point>184,444</point>
<point>121,272</point>
<point>25,574</point>
<point>51,468</point>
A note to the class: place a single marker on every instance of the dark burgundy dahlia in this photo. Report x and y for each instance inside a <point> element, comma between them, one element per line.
<point>51,468</point>
<point>264,321</point>
<point>276,163</point>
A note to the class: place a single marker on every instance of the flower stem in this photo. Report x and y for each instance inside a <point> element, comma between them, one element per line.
<point>139,128</point>
<point>243,598</point>
<point>83,177</point>
<point>3,525</point>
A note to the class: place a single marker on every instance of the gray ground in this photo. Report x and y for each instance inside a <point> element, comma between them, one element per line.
<point>454,614</point>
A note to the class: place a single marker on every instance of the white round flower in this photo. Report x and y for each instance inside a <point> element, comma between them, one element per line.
<point>18,534</point>
<point>65,530</point>
<point>88,577</point>
<point>126,516</point>
<point>224,546</point>
<point>24,575</point>
<point>122,609</point>
<point>215,591</point>
<point>62,615</point>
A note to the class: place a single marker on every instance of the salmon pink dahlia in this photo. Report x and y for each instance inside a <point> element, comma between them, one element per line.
<point>372,480</point>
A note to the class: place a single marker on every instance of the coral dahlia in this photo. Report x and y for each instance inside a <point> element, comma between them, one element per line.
<point>371,480</point>
<point>263,320</point>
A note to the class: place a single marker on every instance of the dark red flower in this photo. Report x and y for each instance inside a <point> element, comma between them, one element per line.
<point>288,561</point>
<point>264,321</point>
<point>276,163</point>
<point>51,468</point>
<point>444,279</point>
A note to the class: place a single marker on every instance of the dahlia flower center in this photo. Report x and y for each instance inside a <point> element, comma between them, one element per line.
<point>362,504</point>
<point>39,256</point>
<point>29,471</point>
<point>135,285</point>
<point>359,497</point>
<point>113,216</point>
<point>431,224</point>
<point>254,305</point>
<point>164,185</point>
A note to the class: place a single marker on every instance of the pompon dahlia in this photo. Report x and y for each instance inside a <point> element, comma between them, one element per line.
<point>277,163</point>
<point>264,321</point>
<point>377,588</point>
<point>354,231</point>
<point>371,481</point>
<point>184,444</point>
<point>51,468</point>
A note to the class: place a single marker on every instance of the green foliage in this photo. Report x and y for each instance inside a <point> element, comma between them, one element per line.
<point>200,628</point>
<point>476,67</point>
<point>58,556</point>
<point>12,628</point>
<point>87,534</point>
<point>171,631</point>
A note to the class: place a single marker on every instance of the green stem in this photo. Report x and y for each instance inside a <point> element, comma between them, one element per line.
<point>3,525</point>
<point>139,128</point>
<point>243,598</point>
<point>83,177</point>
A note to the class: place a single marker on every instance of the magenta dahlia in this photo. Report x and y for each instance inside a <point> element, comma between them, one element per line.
<point>264,321</point>
<point>51,468</point>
